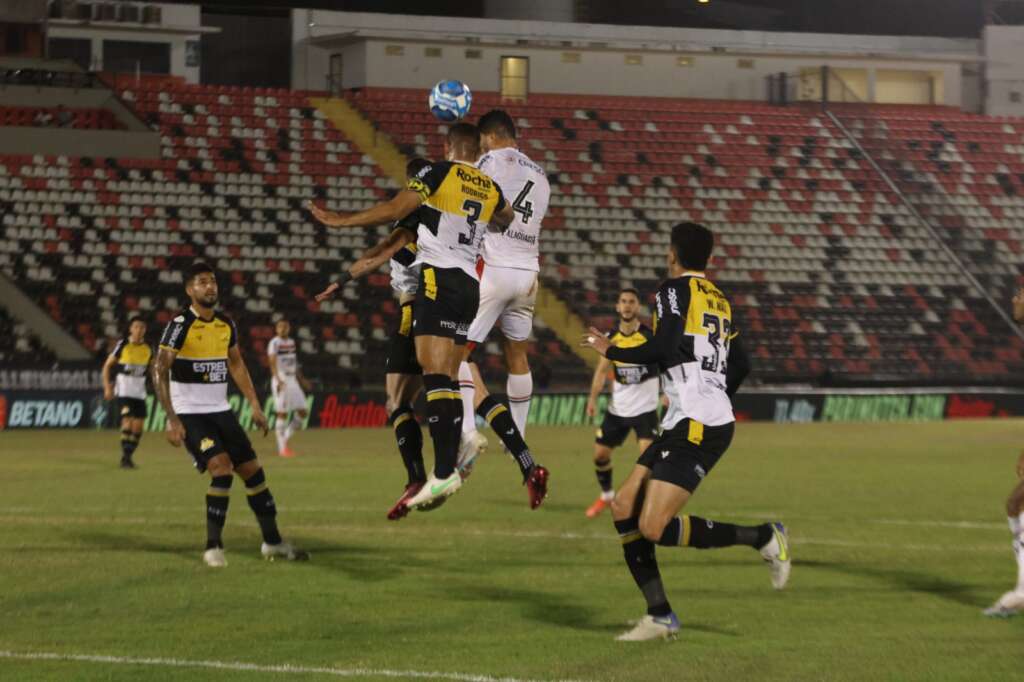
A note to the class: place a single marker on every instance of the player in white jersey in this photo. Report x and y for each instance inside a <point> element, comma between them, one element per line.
<point>198,351</point>
<point>634,401</point>
<point>131,356</point>
<point>695,342</point>
<point>509,267</point>
<point>1012,602</point>
<point>286,385</point>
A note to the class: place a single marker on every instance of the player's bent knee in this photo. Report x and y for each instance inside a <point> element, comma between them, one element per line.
<point>652,527</point>
<point>219,465</point>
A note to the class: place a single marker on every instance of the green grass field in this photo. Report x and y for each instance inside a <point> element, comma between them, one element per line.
<point>898,534</point>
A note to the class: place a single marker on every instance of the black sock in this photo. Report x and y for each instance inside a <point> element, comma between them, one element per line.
<point>129,441</point>
<point>705,534</point>
<point>217,498</point>
<point>410,442</point>
<point>441,407</point>
<point>642,563</point>
<point>262,504</point>
<point>604,474</point>
<point>497,415</point>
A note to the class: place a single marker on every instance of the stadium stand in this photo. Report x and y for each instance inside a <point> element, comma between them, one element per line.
<point>834,279</point>
<point>19,347</point>
<point>104,239</point>
<point>94,119</point>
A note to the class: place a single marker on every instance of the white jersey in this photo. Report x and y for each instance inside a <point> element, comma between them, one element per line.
<point>525,184</point>
<point>284,351</point>
<point>636,387</point>
<point>458,202</point>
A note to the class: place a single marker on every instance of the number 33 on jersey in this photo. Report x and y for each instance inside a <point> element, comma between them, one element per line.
<point>458,202</point>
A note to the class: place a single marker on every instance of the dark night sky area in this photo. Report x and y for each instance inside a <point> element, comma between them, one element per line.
<point>947,18</point>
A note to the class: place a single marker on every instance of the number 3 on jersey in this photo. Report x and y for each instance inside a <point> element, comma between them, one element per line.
<point>473,210</point>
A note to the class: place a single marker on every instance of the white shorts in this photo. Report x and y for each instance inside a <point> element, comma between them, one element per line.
<point>508,296</point>
<point>291,398</point>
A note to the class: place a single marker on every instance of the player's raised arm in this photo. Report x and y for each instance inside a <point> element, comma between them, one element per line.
<point>372,259</point>
<point>240,373</point>
<point>666,341</point>
<point>503,213</point>
<point>401,205</point>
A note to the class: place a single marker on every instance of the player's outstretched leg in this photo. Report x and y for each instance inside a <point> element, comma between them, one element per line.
<point>261,501</point>
<point>535,476</point>
<point>660,622</point>
<point>1012,602</point>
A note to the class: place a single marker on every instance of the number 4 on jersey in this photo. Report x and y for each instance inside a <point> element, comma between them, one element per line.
<point>521,205</point>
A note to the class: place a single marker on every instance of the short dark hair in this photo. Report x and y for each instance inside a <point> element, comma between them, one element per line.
<point>629,290</point>
<point>196,269</point>
<point>415,165</point>
<point>497,122</point>
<point>136,318</point>
<point>465,136</point>
<point>692,244</point>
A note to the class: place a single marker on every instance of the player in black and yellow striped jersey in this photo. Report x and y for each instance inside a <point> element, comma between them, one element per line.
<point>459,203</point>
<point>704,363</point>
<point>131,358</point>
<point>198,350</point>
<point>634,400</point>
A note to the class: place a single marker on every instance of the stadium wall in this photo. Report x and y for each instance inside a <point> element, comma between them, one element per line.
<point>416,52</point>
<point>340,410</point>
<point>1004,70</point>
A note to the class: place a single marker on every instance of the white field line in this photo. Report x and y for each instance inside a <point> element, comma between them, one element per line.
<point>285,668</point>
<point>394,530</point>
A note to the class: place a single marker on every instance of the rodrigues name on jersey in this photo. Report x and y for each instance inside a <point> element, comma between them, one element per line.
<point>526,183</point>
<point>199,373</point>
<point>459,201</point>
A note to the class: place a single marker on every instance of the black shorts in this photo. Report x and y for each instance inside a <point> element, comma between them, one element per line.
<point>614,429</point>
<point>446,303</point>
<point>134,408</point>
<point>402,349</point>
<point>207,435</point>
<point>687,453</point>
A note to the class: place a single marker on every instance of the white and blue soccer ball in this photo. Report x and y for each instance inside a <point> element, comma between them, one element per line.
<point>450,100</point>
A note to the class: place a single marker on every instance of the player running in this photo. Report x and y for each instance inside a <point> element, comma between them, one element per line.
<point>404,376</point>
<point>131,356</point>
<point>460,204</point>
<point>634,402</point>
<point>1012,602</point>
<point>508,267</point>
<point>286,385</point>
<point>198,350</point>
<point>705,363</point>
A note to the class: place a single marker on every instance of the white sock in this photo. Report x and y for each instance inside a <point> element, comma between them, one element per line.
<point>294,425</point>
<point>520,389</point>
<point>1018,549</point>
<point>281,431</point>
<point>607,495</point>
<point>468,391</point>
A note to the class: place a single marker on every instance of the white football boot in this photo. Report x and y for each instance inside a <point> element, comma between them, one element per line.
<point>215,558</point>
<point>776,554</point>
<point>1010,604</point>
<point>433,490</point>
<point>652,627</point>
<point>471,446</point>
<point>283,550</point>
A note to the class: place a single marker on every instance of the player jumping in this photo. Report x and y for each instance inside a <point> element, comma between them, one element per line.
<point>705,363</point>
<point>1012,602</point>
<point>634,402</point>
<point>198,350</point>
<point>508,267</point>
<point>131,356</point>
<point>461,203</point>
<point>286,384</point>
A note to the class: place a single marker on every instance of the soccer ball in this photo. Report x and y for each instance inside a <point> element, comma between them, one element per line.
<point>450,100</point>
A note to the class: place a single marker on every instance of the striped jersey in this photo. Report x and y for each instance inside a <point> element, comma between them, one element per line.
<point>458,202</point>
<point>199,374</point>
<point>284,351</point>
<point>132,363</point>
<point>636,387</point>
